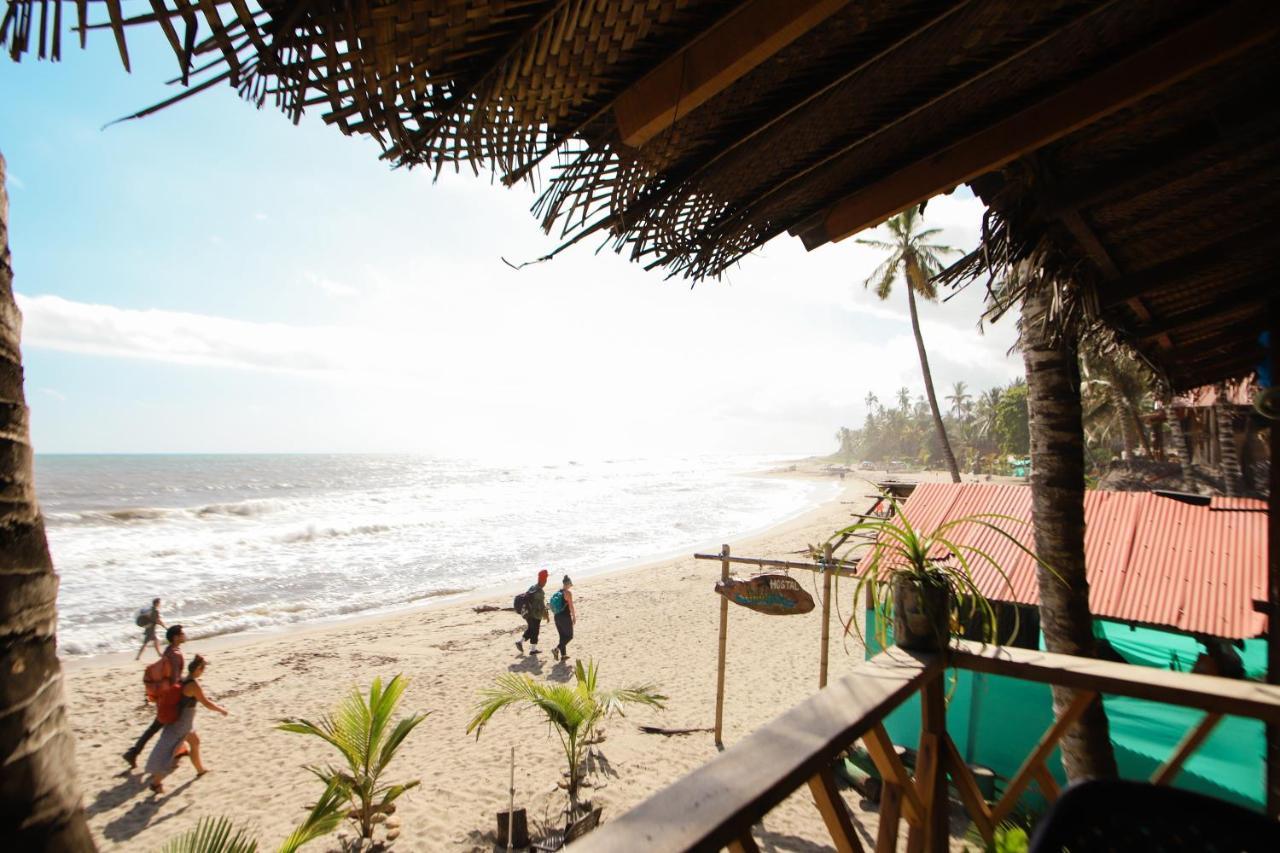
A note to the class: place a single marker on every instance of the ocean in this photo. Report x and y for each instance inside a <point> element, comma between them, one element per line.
<point>249,542</point>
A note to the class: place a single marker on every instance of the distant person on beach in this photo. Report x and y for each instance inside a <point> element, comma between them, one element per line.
<point>164,673</point>
<point>148,620</point>
<point>565,616</point>
<point>534,613</point>
<point>182,732</point>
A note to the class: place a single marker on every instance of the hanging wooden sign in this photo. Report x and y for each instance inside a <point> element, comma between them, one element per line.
<point>773,595</point>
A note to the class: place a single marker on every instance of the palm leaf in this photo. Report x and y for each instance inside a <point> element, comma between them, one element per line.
<point>212,835</point>
<point>324,818</point>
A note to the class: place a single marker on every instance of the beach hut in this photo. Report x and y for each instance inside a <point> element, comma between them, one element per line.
<point>1126,150</point>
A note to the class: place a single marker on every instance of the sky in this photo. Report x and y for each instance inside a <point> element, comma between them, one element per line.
<point>213,278</point>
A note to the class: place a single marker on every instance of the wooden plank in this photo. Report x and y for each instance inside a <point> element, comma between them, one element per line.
<point>1023,777</point>
<point>834,812</point>
<point>932,782</point>
<point>890,811</point>
<point>720,658</point>
<point>1206,692</point>
<point>1249,296</point>
<point>1273,578</point>
<point>743,844</point>
<point>970,794</point>
<point>1048,784</point>
<point>826,616</point>
<point>843,568</point>
<point>723,798</point>
<point>886,760</point>
<point>1202,44</point>
<point>724,54</point>
<point>1167,772</point>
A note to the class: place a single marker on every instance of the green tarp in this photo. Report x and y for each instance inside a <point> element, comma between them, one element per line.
<point>996,721</point>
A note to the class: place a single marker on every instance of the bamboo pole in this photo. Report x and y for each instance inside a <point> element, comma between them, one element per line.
<point>843,568</point>
<point>511,804</point>
<point>1273,576</point>
<point>724,631</point>
<point>826,614</point>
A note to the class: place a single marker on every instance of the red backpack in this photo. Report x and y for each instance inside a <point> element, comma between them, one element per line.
<point>167,703</point>
<point>156,676</point>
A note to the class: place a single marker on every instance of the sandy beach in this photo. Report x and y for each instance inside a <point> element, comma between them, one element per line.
<point>655,624</point>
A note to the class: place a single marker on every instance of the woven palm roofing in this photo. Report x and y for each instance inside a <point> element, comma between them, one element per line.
<point>687,133</point>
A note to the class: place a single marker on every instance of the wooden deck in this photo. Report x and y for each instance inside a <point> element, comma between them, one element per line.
<point>717,805</point>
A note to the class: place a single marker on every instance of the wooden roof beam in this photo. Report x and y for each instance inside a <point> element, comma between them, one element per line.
<point>1186,268</point>
<point>1214,312</point>
<point>1206,42</point>
<point>723,55</point>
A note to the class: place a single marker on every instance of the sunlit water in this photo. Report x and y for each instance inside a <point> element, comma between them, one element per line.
<point>233,543</point>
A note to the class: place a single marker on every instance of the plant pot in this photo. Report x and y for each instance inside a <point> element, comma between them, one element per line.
<point>921,614</point>
<point>519,830</point>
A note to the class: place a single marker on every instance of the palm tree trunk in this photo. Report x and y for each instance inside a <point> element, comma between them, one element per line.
<point>1178,435</point>
<point>1057,496</point>
<point>1227,451</point>
<point>928,386</point>
<point>39,797</point>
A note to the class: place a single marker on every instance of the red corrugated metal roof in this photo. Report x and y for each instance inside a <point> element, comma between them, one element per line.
<point>1150,559</point>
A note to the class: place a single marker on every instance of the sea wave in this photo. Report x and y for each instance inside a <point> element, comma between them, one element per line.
<point>143,514</point>
<point>311,534</point>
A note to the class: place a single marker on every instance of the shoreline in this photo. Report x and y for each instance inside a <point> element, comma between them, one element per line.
<point>362,619</point>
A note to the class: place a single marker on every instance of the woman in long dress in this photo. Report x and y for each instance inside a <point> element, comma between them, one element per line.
<point>164,756</point>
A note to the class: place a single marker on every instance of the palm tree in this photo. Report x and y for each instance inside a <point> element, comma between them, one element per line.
<point>361,730</point>
<point>1232,477</point>
<point>988,415</point>
<point>918,260</point>
<point>572,711</point>
<point>40,800</point>
<point>871,399</point>
<point>904,400</point>
<point>219,835</point>
<point>1057,500</point>
<point>1116,391</point>
<point>960,400</point>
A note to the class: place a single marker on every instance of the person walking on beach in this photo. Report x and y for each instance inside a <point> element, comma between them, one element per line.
<point>535,613</point>
<point>565,616</point>
<point>165,673</point>
<point>165,754</point>
<point>148,620</point>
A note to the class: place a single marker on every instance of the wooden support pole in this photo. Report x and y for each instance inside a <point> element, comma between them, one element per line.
<point>970,793</point>
<point>826,615</point>
<point>1048,784</point>
<point>1168,771</point>
<point>744,844</point>
<point>887,762</point>
<point>890,809</point>
<point>724,631</point>
<point>834,812</point>
<point>932,779</point>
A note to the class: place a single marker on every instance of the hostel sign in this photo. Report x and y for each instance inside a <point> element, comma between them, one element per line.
<point>772,595</point>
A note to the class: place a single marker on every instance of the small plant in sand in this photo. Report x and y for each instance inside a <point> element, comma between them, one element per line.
<point>572,711</point>
<point>220,835</point>
<point>362,731</point>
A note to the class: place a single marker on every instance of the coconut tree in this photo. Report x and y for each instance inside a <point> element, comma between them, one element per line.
<point>572,711</point>
<point>961,401</point>
<point>1228,454</point>
<point>1116,391</point>
<point>39,797</point>
<point>917,260</point>
<point>1049,351</point>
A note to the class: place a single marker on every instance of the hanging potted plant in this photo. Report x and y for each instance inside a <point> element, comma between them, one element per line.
<point>924,582</point>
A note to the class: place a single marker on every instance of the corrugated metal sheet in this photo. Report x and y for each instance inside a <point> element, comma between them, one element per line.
<point>1149,559</point>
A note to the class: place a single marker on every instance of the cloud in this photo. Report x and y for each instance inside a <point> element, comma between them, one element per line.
<point>331,287</point>
<point>57,395</point>
<point>260,216</point>
<point>14,181</point>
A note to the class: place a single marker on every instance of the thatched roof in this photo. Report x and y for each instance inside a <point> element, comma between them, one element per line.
<point>1132,142</point>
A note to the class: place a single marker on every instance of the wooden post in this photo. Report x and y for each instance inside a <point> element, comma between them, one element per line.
<point>826,614</point>
<point>1273,575</point>
<point>933,731</point>
<point>724,632</point>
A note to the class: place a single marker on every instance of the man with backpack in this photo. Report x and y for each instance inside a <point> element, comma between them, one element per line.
<point>148,619</point>
<point>164,674</point>
<point>532,605</point>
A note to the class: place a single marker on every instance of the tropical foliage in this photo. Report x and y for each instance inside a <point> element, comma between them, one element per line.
<point>219,835</point>
<point>572,711</point>
<point>984,430</point>
<point>361,730</point>
<point>916,259</point>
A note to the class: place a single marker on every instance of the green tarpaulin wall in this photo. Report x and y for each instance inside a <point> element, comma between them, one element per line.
<point>996,721</point>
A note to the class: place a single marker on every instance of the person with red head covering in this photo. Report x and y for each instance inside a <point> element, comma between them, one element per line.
<point>534,611</point>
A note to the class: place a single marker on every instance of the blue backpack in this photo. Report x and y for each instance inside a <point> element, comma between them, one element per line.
<point>557,602</point>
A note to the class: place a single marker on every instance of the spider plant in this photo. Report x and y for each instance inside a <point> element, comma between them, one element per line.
<point>361,730</point>
<point>220,835</point>
<point>572,711</point>
<point>899,564</point>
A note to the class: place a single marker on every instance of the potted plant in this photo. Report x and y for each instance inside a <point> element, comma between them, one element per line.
<point>923,581</point>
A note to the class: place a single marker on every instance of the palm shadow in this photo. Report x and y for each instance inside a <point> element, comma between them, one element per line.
<point>140,816</point>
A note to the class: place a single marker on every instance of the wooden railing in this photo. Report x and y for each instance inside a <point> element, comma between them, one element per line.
<point>717,805</point>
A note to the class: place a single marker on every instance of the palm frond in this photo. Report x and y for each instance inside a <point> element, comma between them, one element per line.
<point>323,818</point>
<point>212,835</point>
